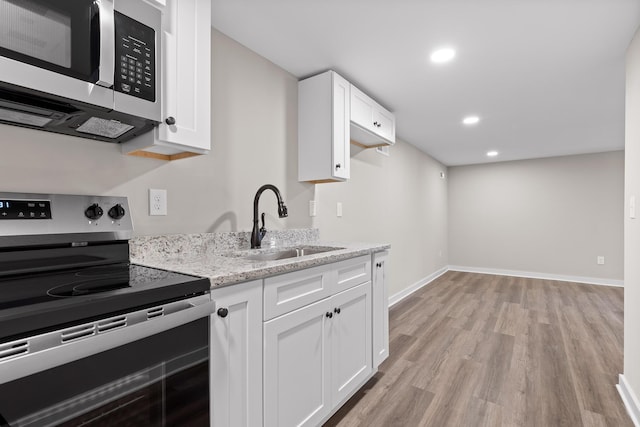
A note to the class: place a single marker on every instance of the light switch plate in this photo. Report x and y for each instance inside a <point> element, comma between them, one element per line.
<point>339,209</point>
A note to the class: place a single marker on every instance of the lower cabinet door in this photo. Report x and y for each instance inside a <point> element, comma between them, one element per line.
<point>236,356</point>
<point>350,340</point>
<point>297,357</point>
<point>380,308</point>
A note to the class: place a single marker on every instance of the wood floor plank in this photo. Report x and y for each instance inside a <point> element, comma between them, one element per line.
<point>475,350</point>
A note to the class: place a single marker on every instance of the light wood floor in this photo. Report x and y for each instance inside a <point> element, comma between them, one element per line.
<point>481,350</point>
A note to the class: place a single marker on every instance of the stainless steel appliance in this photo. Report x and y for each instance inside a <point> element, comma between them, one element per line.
<point>86,68</point>
<point>87,338</point>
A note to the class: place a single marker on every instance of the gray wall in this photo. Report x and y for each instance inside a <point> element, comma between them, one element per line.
<point>551,216</point>
<point>399,199</point>
<point>254,137</point>
<point>632,226</point>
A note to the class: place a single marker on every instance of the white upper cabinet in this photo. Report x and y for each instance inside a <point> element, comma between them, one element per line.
<point>372,124</point>
<point>323,128</point>
<point>186,84</point>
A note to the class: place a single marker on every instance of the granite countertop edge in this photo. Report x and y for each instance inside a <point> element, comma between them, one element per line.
<point>229,267</point>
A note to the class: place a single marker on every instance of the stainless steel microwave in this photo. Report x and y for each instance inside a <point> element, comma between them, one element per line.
<point>86,68</point>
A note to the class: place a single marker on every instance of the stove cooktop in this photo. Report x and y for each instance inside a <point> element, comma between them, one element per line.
<point>38,302</point>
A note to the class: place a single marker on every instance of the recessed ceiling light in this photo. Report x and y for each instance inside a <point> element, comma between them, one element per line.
<point>471,120</point>
<point>492,153</point>
<point>443,55</point>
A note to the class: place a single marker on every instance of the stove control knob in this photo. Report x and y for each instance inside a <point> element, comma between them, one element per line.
<point>117,211</point>
<point>93,212</point>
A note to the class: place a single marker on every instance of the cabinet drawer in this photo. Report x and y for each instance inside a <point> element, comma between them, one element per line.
<point>352,272</point>
<point>291,291</point>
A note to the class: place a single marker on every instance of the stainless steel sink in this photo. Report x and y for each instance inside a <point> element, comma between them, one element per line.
<point>290,253</point>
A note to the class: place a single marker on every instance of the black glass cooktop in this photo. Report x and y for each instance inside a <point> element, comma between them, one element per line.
<point>34,303</point>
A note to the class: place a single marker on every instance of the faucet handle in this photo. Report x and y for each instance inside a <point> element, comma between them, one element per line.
<point>262,229</point>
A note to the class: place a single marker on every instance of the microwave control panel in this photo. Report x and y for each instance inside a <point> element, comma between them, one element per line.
<point>135,58</point>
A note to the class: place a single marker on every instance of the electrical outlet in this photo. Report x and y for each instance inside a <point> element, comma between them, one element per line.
<point>600,260</point>
<point>157,202</point>
<point>312,208</point>
<point>339,209</point>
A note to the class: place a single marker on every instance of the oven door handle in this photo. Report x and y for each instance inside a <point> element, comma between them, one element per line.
<point>48,350</point>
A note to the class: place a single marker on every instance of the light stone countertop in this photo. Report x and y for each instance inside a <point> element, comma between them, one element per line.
<point>220,256</point>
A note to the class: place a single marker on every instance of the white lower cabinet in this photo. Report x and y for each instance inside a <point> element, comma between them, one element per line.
<point>289,350</point>
<point>380,308</point>
<point>236,355</point>
<point>316,356</point>
<point>296,367</point>
<point>350,335</point>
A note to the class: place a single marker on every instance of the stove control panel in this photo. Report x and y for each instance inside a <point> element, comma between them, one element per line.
<point>42,219</point>
<point>25,209</point>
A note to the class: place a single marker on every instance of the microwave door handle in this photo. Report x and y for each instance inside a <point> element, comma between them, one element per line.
<point>107,43</point>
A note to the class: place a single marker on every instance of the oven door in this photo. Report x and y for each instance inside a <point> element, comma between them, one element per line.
<point>64,48</point>
<point>146,377</point>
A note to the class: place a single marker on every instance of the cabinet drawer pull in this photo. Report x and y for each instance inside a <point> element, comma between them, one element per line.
<point>329,314</point>
<point>336,310</point>
<point>222,312</point>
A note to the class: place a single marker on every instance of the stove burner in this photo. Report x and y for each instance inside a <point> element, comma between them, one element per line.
<point>104,270</point>
<point>88,287</point>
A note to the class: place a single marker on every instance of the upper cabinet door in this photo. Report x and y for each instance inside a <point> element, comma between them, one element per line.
<point>361,109</point>
<point>185,129</point>
<point>187,66</point>
<point>341,127</point>
<point>374,126</point>
<point>385,124</point>
<point>323,128</point>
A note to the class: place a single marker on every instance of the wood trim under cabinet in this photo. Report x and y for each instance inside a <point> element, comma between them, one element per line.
<point>324,181</point>
<point>158,156</point>
<point>359,144</point>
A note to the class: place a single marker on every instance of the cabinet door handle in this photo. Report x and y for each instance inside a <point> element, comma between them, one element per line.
<point>329,314</point>
<point>170,121</point>
<point>222,312</point>
<point>379,265</point>
<point>336,310</point>
<point>338,166</point>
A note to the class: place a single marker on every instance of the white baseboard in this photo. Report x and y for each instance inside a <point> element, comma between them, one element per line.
<point>396,298</point>
<point>630,400</point>
<point>534,275</point>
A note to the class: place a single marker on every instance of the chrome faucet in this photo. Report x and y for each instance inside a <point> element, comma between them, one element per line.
<point>258,233</point>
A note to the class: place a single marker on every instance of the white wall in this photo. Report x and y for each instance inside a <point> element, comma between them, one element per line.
<point>632,226</point>
<point>552,216</point>
<point>254,137</point>
<point>254,134</point>
<point>399,199</point>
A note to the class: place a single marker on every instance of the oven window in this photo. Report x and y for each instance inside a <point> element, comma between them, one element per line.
<point>60,36</point>
<point>162,380</point>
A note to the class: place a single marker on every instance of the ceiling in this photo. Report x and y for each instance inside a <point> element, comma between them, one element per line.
<point>546,77</point>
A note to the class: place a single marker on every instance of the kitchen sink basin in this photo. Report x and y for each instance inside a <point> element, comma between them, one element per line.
<point>289,253</point>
